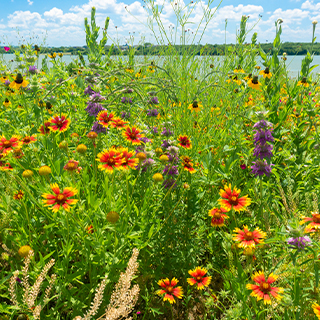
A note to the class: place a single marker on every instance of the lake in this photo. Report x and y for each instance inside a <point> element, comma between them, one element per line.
<point>293,62</point>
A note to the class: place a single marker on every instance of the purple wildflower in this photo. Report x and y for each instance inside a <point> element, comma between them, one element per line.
<point>168,183</point>
<point>96,97</point>
<point>171,170</point>
<point>153,100</point>
<point>125,115</point>
<point>126,100</point>
<point>263,151</point>
<point>94,108</point>
<point>154,130</point>
<point>146,164</point>
<point>129,90</point>
<point>261,167</point>
<point>299,242</point>
<point>144,139</point>
<point>18,279</point>
<point>88,91</point>
<point>165,144</point>
<point>166,132</point>
<point>263,137</point>
<point>7,83</point>
<point>152,112</point>
<point>98,128</point>
<point>33,69</point>
<point>262,124</point>
<point>243,166</point>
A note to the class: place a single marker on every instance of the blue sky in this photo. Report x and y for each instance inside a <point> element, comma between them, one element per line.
<point>60,22</point>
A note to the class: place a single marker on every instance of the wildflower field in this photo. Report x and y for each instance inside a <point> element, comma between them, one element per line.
<point>186,189</point>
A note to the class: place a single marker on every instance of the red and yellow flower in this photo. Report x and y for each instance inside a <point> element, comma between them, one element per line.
<point>185,142</point>
<point>231,199</point>
<point>316,310</point>
<point>59,199</point>
<point>29,139</point>
<point>45,129</point>
<point>198,278</point>
<point>133,135</point>
<point>129,159</point>
<point>263,289</point>
<point>104,118</point>
<point>110,159</point>
<point>60,124</point>
<point>118,123</point>
<point>187,164</point>
<point>315,222</point>
<point>246,238</point>
<point>7,145</point>
<point>218,217</point>
<point>71,165</point>
<point>169,290</point>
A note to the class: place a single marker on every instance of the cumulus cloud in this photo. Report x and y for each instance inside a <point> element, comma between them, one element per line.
<point>30,2</point>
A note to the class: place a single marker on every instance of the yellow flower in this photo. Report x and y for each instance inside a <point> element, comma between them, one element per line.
<point>24,251</point>
<point>52,55</point>
<point>254,83</point>
<point>303,82</point>
<point>18,82</point>
<point>195,106</point>
<point>6,103</point>
<point>112,216</point>
<point>157,177</point>
<point>266,73</point>
<point>45,171</point>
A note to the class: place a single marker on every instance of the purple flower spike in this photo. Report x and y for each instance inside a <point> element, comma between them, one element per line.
<point>299,243</point>
<point>260,168</point>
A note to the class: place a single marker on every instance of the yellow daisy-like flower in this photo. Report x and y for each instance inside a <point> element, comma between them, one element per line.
<point>18,82</point>
<point>316,310</point>
<point>195,106</point>
<point>266,73</point>
<point>254,83</point>
<point>303,83</point>
<point>52,55</point>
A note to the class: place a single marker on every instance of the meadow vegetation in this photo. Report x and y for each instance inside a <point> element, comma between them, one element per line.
<point>138,190</point>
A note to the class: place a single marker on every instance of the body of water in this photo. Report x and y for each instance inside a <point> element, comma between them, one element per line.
<point>293,62</point>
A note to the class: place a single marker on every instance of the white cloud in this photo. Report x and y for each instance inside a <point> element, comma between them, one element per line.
<point>309,5</point>
<point>30,2</point>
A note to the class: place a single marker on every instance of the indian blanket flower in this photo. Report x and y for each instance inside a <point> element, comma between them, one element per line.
<point>110,160</point>
<point>104,118</point>
<point>18,82</point>
<point>129,159</point>
<point>71,165</point>
<point>59,123</point>
<point>8,145</point>
<point>246,238</point>
<point>218,217</point>
<point>118,123</point>
<point>170,290</point>
<point>316,310</point>
<point>315,222</point>
<point>45,129</point>
<point>132,134</point>
<point>299,242</point>
<point>198,278</point>
<point>230,199</point>
<point>29,139</point>
<point>185,142</point>
<point>187,164</point>
<point>263,289</point>
<point>60,199</point>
